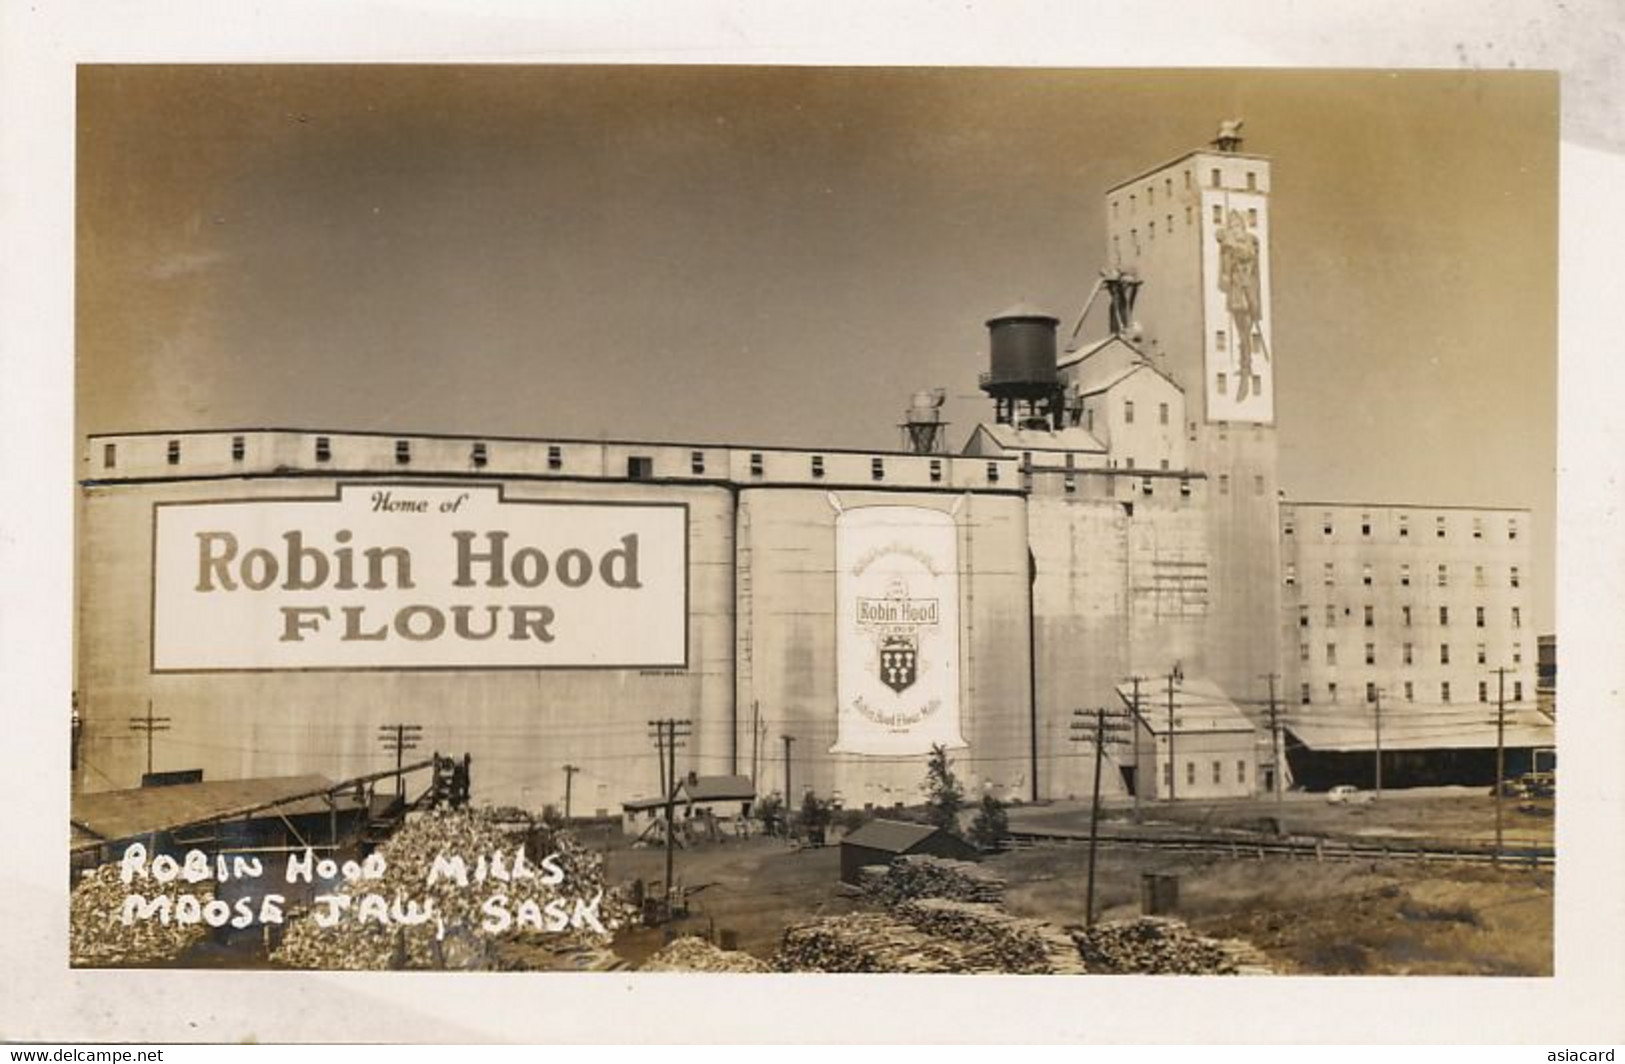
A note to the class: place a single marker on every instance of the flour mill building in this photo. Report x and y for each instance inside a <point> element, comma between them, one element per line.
<point>1112,534</point>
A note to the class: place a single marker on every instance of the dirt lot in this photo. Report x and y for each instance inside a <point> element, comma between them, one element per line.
<point>1360,917</point>
<point>1332,918</point>
<point>753,888</point>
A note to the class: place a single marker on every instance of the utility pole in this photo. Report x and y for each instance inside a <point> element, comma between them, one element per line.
<point>788,740</point>
<point>668,733</point>
<point>1376,704</point>
<point>400,738</point>
<point>1276,754</point>
<point>659,736</point>
<point>1100,731</point>
<point>149,724</point>
<point>569,778</point>
<point>755,740</point>
<point>1500,753</point>
<point>1134,724</point>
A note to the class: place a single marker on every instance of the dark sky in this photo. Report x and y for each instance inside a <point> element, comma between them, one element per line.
<point>782,255</point>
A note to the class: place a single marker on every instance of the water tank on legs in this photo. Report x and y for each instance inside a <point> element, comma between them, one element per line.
<point>1022,360</point>
<point>1022,377</point>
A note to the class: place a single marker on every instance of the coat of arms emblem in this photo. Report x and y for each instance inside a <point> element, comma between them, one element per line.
<point>895,621</point>
<point>899,661</point>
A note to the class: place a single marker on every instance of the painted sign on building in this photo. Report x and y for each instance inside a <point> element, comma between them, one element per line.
<point>897,630</point>
<point>1236,307</point>
<point>390,576</point>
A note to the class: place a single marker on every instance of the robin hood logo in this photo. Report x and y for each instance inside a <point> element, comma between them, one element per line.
<point>894,623</point>
<point>897,630</point>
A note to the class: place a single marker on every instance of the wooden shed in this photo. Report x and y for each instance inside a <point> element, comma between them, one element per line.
<point>880,841</point>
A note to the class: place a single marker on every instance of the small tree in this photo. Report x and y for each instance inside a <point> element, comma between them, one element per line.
<point>991,828</point>
<point>815,813</point>
<point>944,796</point>
<point>769,808</point>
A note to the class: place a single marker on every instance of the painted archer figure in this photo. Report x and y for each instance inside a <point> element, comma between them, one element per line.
<point>1239,281</point>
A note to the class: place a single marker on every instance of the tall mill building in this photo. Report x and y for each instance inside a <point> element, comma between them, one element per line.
<point>1112,536</point>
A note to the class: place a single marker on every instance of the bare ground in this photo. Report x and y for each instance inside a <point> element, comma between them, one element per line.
<point>1308,917</point>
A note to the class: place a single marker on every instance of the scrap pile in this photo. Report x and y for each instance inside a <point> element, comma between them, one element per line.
<point>920,876</point>
<point>98,935</point>
<point>930,935</point>
<point>691,954</point>
<point>1014,944</point>
<point>949,916</point>
<point>455,938</point>
<point>1153,945</point>
<point>871,942</point>
<point>941,916</point>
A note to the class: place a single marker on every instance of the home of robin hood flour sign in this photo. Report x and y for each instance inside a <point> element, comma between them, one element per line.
<point>418,576</point>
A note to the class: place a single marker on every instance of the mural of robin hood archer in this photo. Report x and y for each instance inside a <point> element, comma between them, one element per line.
<point>1243,295</point>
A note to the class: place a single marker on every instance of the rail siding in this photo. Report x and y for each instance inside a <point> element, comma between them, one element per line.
<point>1320,849</point>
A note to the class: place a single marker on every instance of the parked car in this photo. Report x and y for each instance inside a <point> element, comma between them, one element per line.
<point>1347,794</point>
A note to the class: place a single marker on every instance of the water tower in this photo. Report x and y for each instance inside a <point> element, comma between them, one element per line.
<point>1022,377</point>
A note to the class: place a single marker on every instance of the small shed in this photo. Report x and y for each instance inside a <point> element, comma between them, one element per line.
<point>726,799</point>
<point>880,841</point>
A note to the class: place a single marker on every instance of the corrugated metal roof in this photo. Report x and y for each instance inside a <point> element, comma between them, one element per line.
<point>892,836</point>
<point>145,810</point>
<point>1199,706</point>
<point>703,789</point>
<point>720,788</point>
<point>1412,726</point>
<point>1073,357</point>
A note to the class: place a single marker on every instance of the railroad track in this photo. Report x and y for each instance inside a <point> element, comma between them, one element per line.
<point>1317,849</point>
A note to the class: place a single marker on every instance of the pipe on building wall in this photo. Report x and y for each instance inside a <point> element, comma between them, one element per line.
<point>1032,673</point>
<point>733,635</point>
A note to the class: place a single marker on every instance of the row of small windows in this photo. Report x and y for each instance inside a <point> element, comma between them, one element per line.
<point>1190,772</point>
<point>1367,577</point>
<point>639,467</point>
<point>1224,484</point>
<point>1408,653</point>
<point>1405,616</point>
<point>1215,178</point>
<point>1221,381</point>
<point>1128,413</point>
<point>1409,690</point>
<point>1441,526</point>
<point>1168,226</point>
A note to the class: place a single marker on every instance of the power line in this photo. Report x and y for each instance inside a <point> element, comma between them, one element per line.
<point>400,738</point>
<point>1105,728</point>
<point>668,732</point>
<point>149,724</point>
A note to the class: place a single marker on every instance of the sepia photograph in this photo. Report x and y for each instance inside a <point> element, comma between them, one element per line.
<point>816,519</point>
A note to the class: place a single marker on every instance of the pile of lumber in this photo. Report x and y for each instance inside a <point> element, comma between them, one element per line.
<point>930,935</point>
<point>870,942</point>
<point>690,954</point>
<point>98,936</point>
<point>1013,944</point>
<point>920,876</point>
<point>455,939</point>
<point>1156,945</point>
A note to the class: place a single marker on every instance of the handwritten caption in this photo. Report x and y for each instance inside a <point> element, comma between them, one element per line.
<point>347,897</point>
